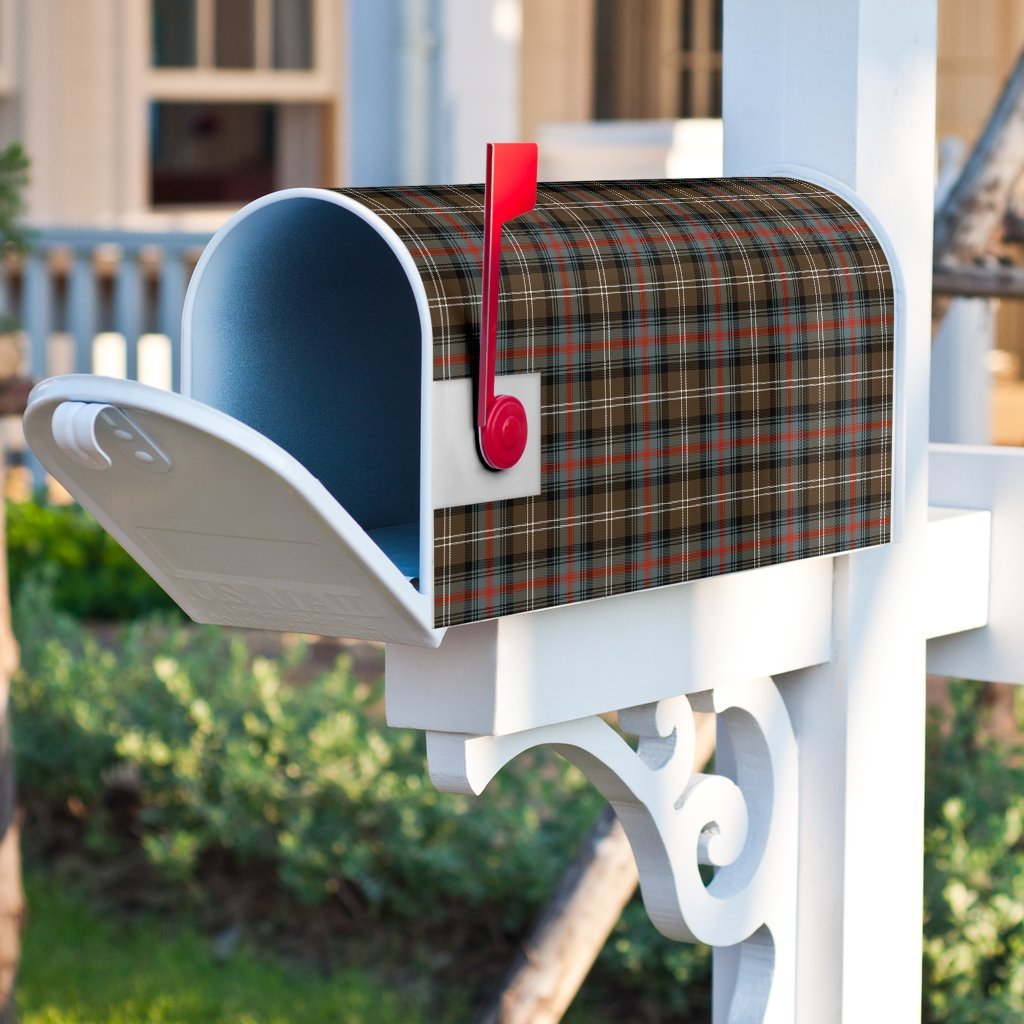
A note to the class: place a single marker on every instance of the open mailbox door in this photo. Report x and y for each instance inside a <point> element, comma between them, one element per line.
<point>236,530</point>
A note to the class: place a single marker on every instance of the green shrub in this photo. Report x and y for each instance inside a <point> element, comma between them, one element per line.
<point>226,755</point>
<point>91,575</point>
<point>974,869</point>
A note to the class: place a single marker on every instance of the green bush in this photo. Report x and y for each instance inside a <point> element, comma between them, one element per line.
<point>974,869</point>
<point>226,756</point>
<point>90,573</point>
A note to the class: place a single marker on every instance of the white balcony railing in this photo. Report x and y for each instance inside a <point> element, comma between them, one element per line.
<point>97,301</point>
<point>78,291</point>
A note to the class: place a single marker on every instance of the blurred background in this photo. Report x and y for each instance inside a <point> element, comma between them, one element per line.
<point>148,122</point>
<point>218,827</point>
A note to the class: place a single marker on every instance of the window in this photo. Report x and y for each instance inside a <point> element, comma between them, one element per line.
<point>700,58</point>
<point>233,34</point>
<point>242,96</point>
<point>293,34</point>
<point>212,152</point>
<point>658,58</point>
<point>174,33</point>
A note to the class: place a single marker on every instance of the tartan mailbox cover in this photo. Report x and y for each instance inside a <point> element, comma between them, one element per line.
<point>706,368</point>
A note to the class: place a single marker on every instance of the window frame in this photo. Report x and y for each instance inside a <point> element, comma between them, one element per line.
<point>646,79</point>
<point>144,85</point>
<point>262,83</point>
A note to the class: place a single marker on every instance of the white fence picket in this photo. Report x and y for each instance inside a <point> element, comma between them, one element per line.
<point>93,301</point>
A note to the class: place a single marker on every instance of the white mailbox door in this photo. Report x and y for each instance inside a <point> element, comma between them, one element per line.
<point>234,528</point>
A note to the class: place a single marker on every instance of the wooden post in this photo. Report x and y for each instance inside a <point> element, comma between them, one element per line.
<point>849,89</point>
<point>993,282</point>
<point>13,395</point>
<point>967,229</point>
<point>12,901</point>
<point>960,411</point>
<point>975,207</point>
<point>561,948</point>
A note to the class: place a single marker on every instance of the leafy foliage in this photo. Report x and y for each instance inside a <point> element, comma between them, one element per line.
<point>14,165</point>
<point>91,575</point>
<point>974,869</point>
<point>224,755</point>
<point>664,973</point>
<point>14,236</point>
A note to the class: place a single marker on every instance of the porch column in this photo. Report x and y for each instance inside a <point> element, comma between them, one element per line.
<point>848,89</point>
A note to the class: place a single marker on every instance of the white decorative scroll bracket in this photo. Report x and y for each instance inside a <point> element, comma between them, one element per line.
<point>742,821</point>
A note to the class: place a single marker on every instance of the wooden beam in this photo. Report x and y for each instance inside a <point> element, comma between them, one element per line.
<point>560,950</point>
<point>12,898</point>
<point>974,209</point>
<point>1004,282</point>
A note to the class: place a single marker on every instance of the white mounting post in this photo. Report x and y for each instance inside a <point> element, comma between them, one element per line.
<point>848,89</point>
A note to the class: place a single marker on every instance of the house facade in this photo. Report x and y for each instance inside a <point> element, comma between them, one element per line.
<point>170,114</point>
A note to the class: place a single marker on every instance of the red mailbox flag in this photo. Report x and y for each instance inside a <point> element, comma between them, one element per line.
<point>511,190</point>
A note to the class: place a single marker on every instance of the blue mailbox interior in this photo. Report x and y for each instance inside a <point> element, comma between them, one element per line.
<point>304,326</point>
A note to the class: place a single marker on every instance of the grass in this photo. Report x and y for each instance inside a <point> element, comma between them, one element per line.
<point>79,968</point>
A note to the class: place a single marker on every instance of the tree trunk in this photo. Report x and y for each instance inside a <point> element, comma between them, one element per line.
<point>977,204</point>
<point>12,900</point>
<point>998,282</point>
<point>564,943</point>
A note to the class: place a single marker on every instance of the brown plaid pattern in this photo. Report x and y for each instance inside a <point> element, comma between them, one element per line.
<point>717,360</point>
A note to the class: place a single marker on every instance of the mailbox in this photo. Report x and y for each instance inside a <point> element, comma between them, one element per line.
<point>704,370</point>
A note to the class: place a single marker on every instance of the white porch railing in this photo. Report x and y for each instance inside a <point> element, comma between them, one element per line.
<point>99,301</point>
<point>102,301</point>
